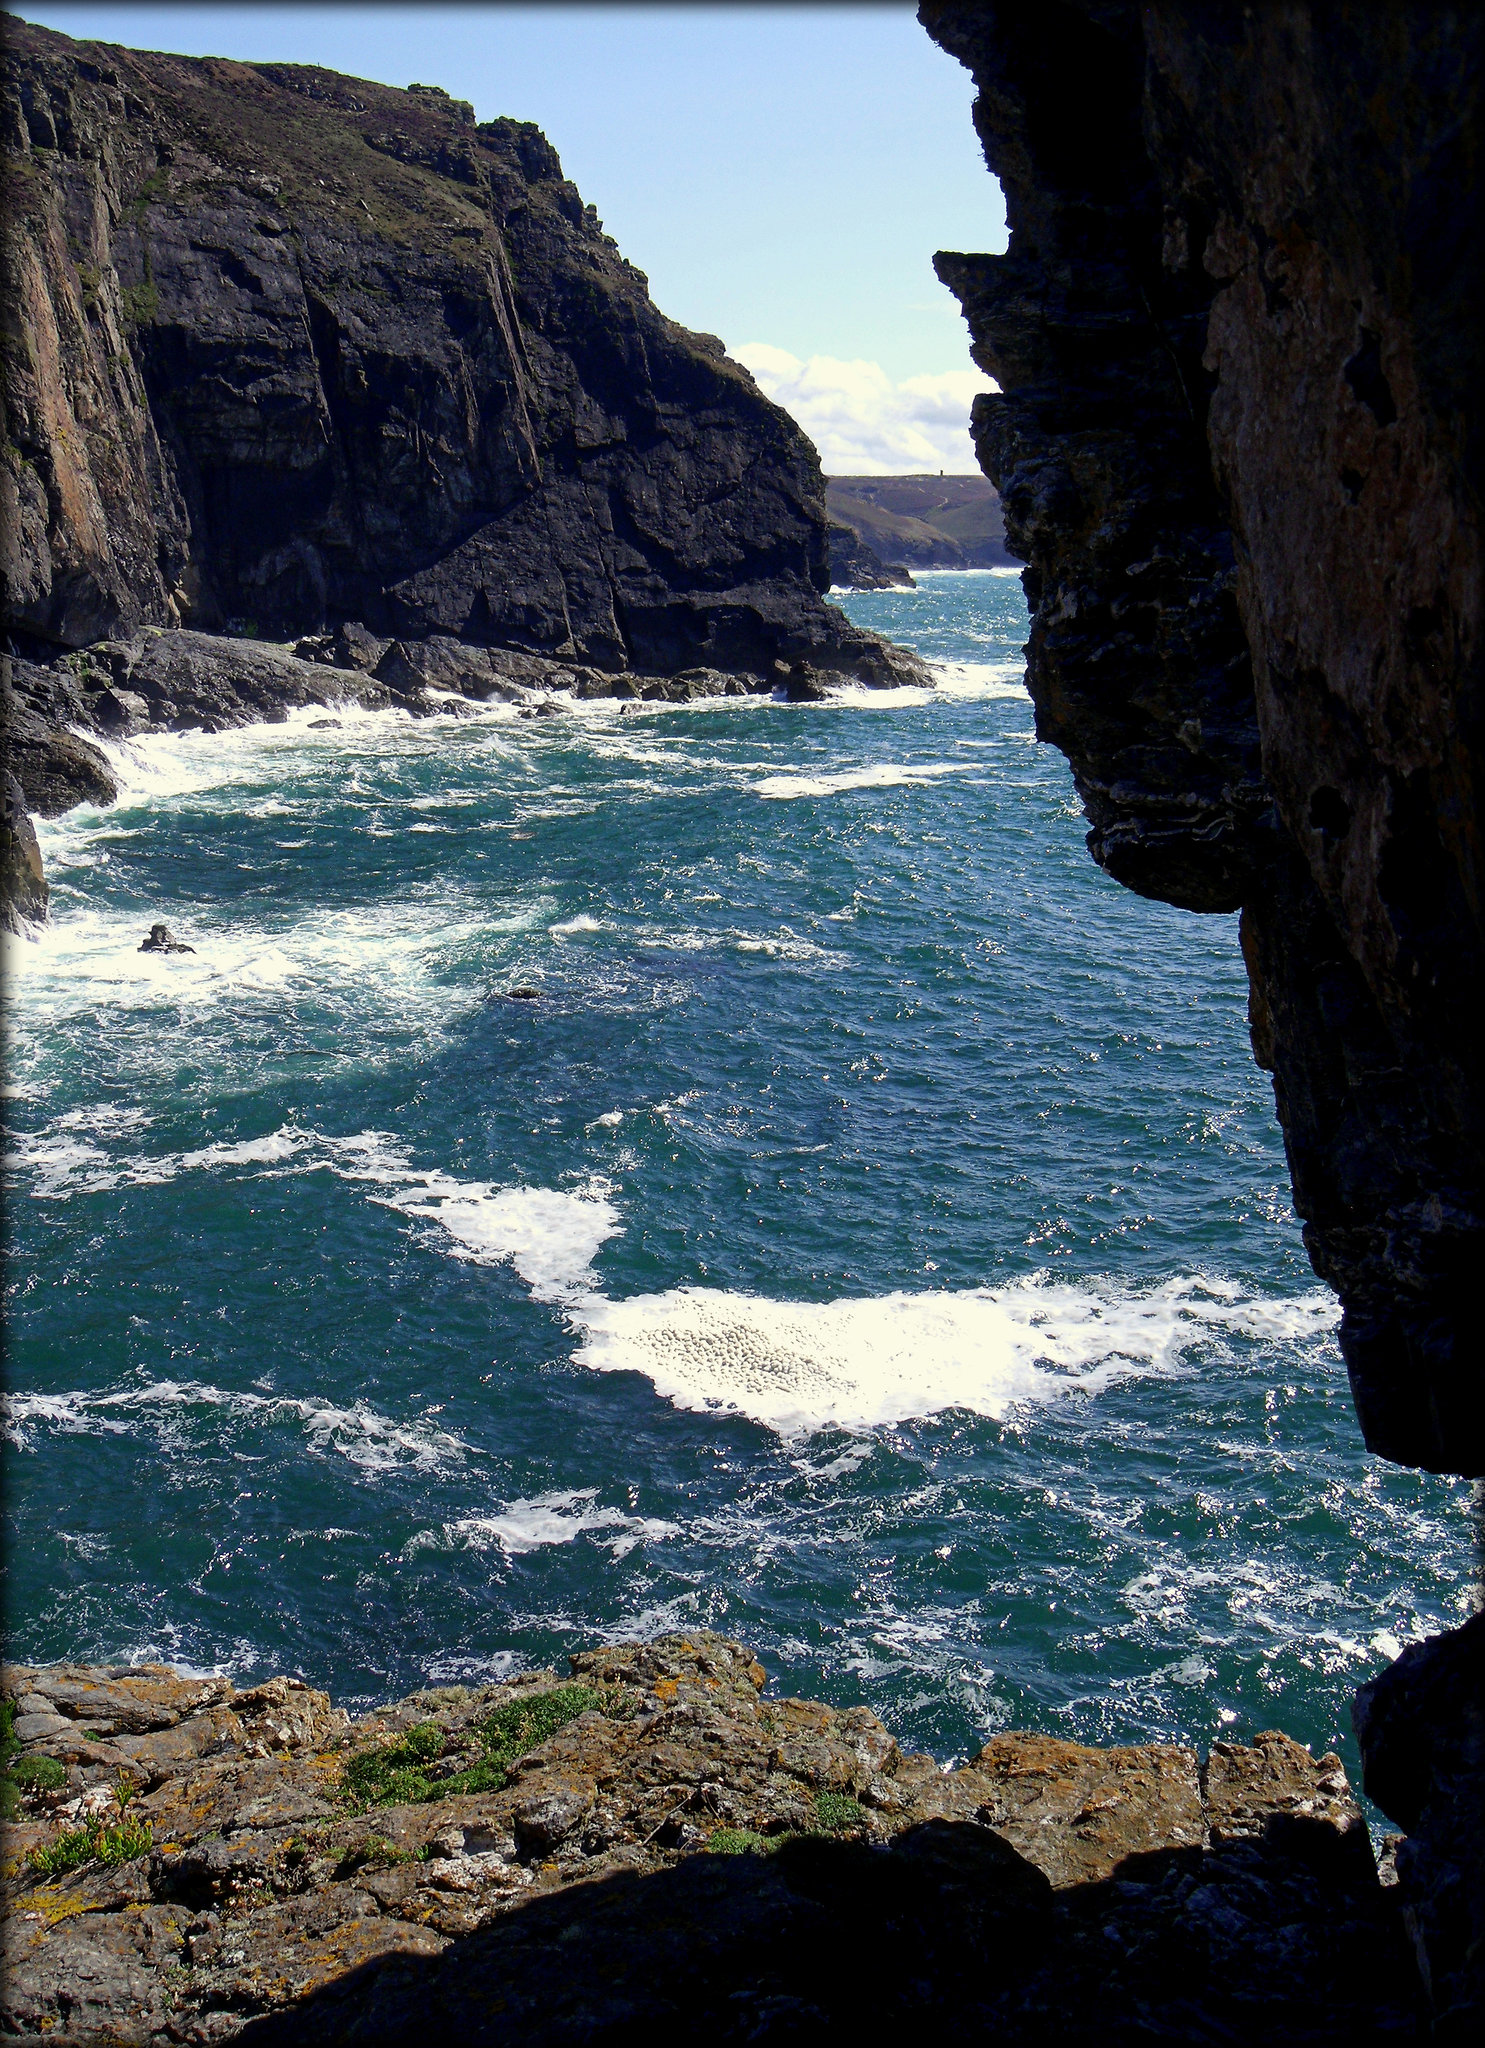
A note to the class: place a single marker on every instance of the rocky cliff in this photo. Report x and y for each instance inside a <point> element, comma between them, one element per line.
<point>284,349</point>
<point>1238,336</point>
<point>1238,444</point>
<point>657,1848</point>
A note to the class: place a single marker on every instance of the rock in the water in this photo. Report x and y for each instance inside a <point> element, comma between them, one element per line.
<point>655,1847</point>
<point>856,565</point>
<point>23,887</point>
<point>162,940</point>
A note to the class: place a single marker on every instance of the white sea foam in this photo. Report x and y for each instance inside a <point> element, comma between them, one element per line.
<point>882,775</point>
<point>861,1364</point>
<point>584,923</point>
<point>550,1235</point>
<point>358,1433</point>
<point>552,1518</point>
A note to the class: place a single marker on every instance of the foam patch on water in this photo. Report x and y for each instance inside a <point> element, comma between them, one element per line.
<point>800,1367</point>
<point>551,1518</point>
<point>882,775</point>
<point>165,1408</point>
<point>550,1235</point>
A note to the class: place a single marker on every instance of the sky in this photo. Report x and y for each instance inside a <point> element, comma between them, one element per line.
<point>782,173</point>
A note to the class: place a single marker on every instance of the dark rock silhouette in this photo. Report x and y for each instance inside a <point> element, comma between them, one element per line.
<point>162,940</point>
<point>23,888</point>
<point>856,565</point>
<point>1239,336</point>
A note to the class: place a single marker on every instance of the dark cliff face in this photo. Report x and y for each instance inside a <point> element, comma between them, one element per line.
<point>1238,337</point>
<point>284,348</point>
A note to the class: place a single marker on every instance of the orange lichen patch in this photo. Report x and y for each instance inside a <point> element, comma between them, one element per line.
<point>54,1907</point>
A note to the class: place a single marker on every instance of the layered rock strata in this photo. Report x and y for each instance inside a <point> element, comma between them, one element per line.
<point>1237,441</point>
<point>664,1847</point>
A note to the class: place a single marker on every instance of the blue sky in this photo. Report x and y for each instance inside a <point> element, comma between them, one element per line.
<point>782,173</point>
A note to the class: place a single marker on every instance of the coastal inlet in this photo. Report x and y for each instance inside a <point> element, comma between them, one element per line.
<point>869,1237</point>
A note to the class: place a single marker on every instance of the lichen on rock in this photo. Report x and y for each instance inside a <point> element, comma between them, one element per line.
<point>661,1843</point>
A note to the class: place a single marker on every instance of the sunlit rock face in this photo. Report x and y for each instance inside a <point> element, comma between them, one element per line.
<point>286,349</point>
<point>1238,339</point>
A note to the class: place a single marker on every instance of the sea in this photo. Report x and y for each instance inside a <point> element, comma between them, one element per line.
<point>872,1240</point>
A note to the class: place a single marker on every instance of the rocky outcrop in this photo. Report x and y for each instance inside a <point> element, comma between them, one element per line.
<point>657,1844</point>
<point>1237,442</point>
<point>1421,1728</point>
<point>286,349</point>
<point>291,354</point>
<point>856,565</point>
<point>23,887</point>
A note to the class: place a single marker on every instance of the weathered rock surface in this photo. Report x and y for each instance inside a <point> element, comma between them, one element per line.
<point>23,887</point>
<point>1239,342</point>
<point>679,1851</point>
<point>1421,1727</point>
<point>291,354</point>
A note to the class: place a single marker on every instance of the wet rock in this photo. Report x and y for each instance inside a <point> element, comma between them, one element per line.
<point>162,940</point>
<point>122,712</point>
<point>53,766</point>
<point>23,885</point>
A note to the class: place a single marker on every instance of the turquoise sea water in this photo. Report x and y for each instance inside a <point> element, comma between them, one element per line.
<point>875,1243</point>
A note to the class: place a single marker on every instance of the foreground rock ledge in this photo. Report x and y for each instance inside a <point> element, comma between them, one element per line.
<point>683,1852</point>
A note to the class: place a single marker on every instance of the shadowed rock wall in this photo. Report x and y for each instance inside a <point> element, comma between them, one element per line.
<point>1238,340</point>
<point>283,349</point>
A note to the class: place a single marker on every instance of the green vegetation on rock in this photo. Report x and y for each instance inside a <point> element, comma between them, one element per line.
<point>399,1773</point>
<point>93,1843</point>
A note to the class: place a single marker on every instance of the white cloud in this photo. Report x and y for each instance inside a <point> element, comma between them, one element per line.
<point>862,423</point>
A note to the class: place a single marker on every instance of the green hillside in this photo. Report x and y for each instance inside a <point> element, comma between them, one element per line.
<point>926,522</point>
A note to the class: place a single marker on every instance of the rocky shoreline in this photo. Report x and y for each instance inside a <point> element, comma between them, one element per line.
<point>653,1840</point>
<point>181,681</point>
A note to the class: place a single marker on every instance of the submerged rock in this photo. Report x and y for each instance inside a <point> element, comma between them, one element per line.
<point>654,1843</point>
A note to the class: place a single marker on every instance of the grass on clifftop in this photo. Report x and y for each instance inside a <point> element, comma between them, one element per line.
<point>399,1774</point>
